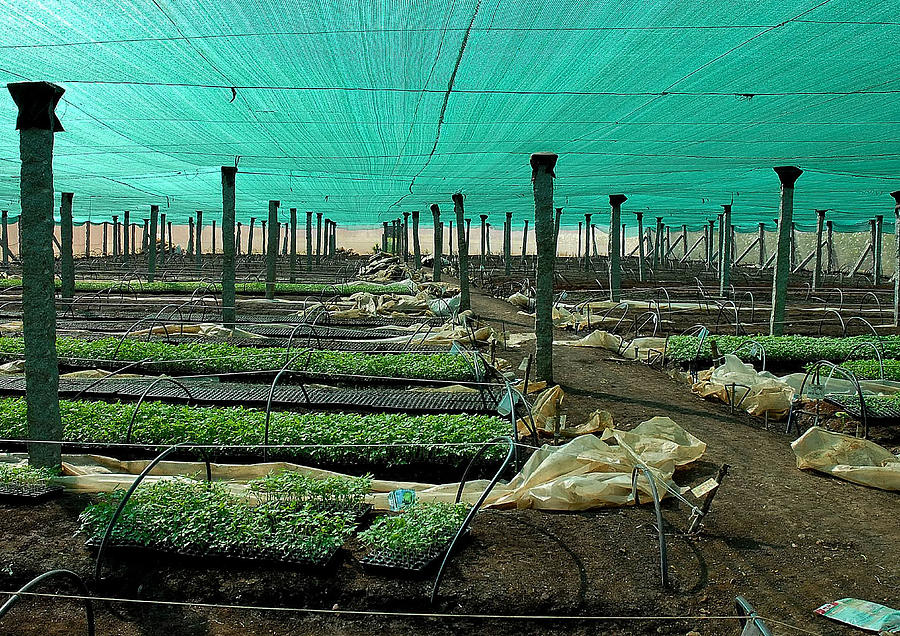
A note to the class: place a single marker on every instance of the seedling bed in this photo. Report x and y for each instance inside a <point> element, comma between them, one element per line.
<point>27,493</point>
<point>876,409</point>
<point>403,564</point>
<point>243,554</point>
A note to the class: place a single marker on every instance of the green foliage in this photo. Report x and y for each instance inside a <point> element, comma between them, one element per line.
<point>337,289</point>
<point>870,369</point>
<point>163,424</point>
<point>782,349</point>
<point>415,531</point>
<point>24,475</point>
<point>222,357</point>
<point>189,516</point>
<point>291,490</point>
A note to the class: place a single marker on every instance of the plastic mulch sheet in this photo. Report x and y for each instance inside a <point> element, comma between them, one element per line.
<point>858,460</point>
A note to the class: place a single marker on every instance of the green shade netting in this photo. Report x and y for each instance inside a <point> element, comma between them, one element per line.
<point>343,107</point>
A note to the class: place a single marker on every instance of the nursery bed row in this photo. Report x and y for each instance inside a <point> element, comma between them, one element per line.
<point>214,358</point>
<point>385,439</point>
<point>782,349</point>
<point>285,396</point>
<point>158,287</point>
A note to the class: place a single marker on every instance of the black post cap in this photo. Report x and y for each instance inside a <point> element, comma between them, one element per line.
<point>37,105</point>
<point>788,174</point>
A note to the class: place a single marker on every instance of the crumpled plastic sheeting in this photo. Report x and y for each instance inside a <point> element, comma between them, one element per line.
<point>845,457</point>
<point>638,348</point>
<point>760,391</point>
<point>587,472</point>
<point>202,330</point>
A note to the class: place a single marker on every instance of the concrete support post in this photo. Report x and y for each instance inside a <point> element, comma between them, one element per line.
<point>879,235</point>
<point>624,234</point>
<point>524,244</point>
<point>169,238</point>
<point>469,233</point>
<point>762,246</point>
<point>213,246</point>
<point>151,240</point>
<point>896,195</point>
<point>250,236</point>
<point>318,237</point>
<point>272,250</point>
<point>483,238</point>
<point>37,124</point>
<point>228,246</point>
<point>309,242</point>
<point>578,253</point>
<point>542,165</point>
<point>263,239</point>
<point>727,242</point>
<point>463,246</point>
<point>487,241</point>
<point>237,238</point>
<point>829,230</point>
<point>449,238</point>
<point>145,239</point>
<point>615,253</point>
<point>658,244</point>
<point>333,237</point>
<point>817,271</point>
<point>438,243</point>
<point>198,241</point>
<point>384,236</point>
<point>507,241</point>
<point>4,238</point>
<point>292,234</point>
<point>587,241</point>
<point>161,248</point>
<point>126,226</point>
<point>684,241</point>
<point>105,248</point>
<point>640,236</point>
<point>417,247</point>
<point>873,237</point>
<point>66,258</point>
<point>115,238</point>
<point>710,243</point>
<point>555,227</point>
<point>793,246</point>
<point>406,237</point>
<point>324,237</point>
<point>133,239</point>
<point>788,176</point>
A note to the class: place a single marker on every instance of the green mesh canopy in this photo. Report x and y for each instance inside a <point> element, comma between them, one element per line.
<point>363,110</point>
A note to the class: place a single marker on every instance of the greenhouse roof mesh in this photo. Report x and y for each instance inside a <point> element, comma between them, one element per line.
<point>362,110</point>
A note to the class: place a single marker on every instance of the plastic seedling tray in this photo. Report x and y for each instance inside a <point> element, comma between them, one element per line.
<point>27,494</point>
<point>236,553</point>
<point>412,563</point>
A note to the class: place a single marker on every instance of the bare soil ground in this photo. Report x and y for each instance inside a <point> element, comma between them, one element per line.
<point>787,540</point>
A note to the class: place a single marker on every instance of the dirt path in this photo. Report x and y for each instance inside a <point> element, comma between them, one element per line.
<point>787,540</point>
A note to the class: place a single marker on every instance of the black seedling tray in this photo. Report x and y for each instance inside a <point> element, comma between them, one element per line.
<point>27,494</point>
<point>417,564</point>
<point>235,554</point>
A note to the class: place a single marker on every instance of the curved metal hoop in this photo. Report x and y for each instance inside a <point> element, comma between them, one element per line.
<point>88,604</point>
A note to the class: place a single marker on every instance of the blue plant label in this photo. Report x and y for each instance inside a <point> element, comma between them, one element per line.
<point>401,498</point>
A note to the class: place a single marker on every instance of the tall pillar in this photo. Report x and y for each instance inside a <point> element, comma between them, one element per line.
<point>817,272</point>
<point>896,195</point>
<point>658,244</point>
<point>406,237</point>
<point>578,253</point>
<point>640,234</point>
<point>145,239</point>
<point>725,270</point>
<point>309,259</point>
<point>126,226</point>
<point>684,241</point>
<point>879,235</point>
<point>333,238</point>
<point>151,240</point>
<point>237,238</point>
<point>555,227</point>
<point>198,242</point>
<point>324,237</point>
<point>615,253</point>
<point>623,241</point>
<point>483,238</point>
<point>263,239</point>
<point>285,231</point>
<point>37,124</point>
<point>272,250</point>
<point>318,237</point>
<point>4,237</point>
<point>292,233</point>
<point>66,258</point>
<point>417,248</point>
<point>524,243</point>
<point>788,176</point>
<point>168,238</point>
<point>829,230</point>
<point>449,238</point>
<point>710,243</point>
<point>793,246</point>
<point>469,233</point>
<point>487,237</point>
<point>507,241</point>
<point>250,236</point>
<point>115,241</point>
<point>587,241</point>
<point>762,246</point>
<point>542,165</point>
<point>163,226</point>
<point>213,252</point>
<point>228,246</point>
<point>384,236</point>
<point>438,242</point>
<point>106,238</point>
<point>463,243</point>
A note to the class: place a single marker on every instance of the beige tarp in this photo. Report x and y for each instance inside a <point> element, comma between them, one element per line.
<point>761,392</point>
<point>587,472</point>
<point>851,458</point>
<point>639,348</point>
<point>202,330</point>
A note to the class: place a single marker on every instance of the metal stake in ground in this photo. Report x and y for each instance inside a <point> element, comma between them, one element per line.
<point>788,176</point>
<point>438,242</point>
<point>228,245</point>
<point>417,249</point>
<point>542,164</point>
<point>817,272</point>
<point>37,123</point>
<point>66,262</point>
<point>293,238</point>
<point>272,250</point>
<point>615,269</point>
<point>463,246</point>
<point>151,238</point>
<point>896,195</point>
